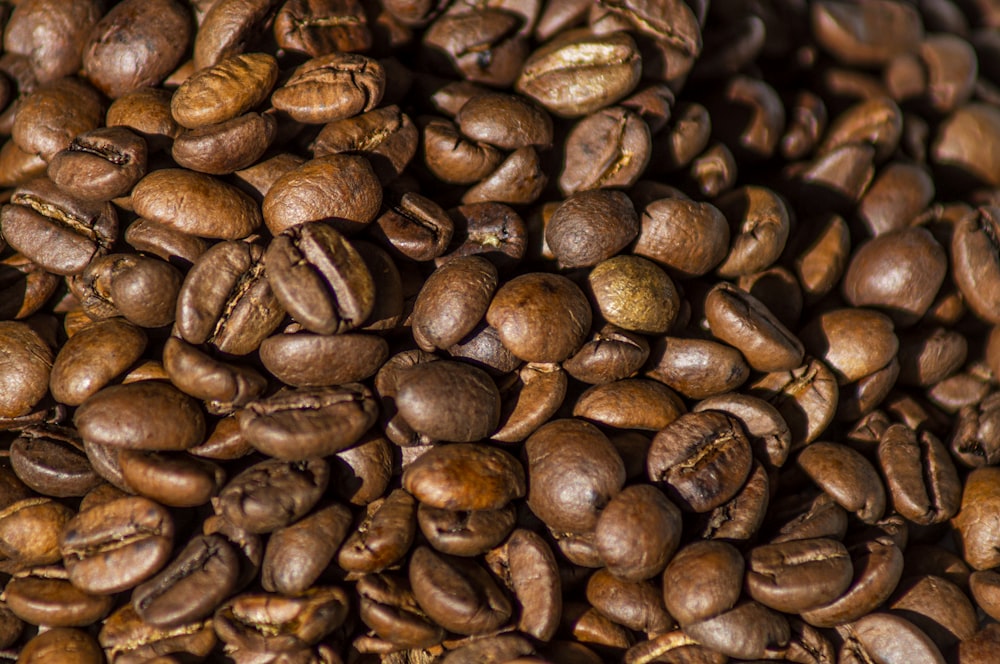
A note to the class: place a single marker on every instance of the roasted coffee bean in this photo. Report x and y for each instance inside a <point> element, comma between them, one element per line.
<point>702,459</point>
<point>101,164</point>
<point>62,644</point>
<point>465,477</point>
<point>136,44</point>
<point>28,366</point>
<point>225,147</point>
<point>51,34</point>
<point>938,607</point>
<point>177,248</point>
<point>591,226</point>
<point>599,69</point>
<point>888,637</point>
<point>58,231</point>
<point>385,136</point>
<point>225,90</point>
<point>321,27</point>
<point>556,304</point>
<point>535,394</point>
<point>94,357</point>
<point>195,203</point>
<point>51,460</point>
<point>264,622</point>
<point>847,477</point>
<point>448,401</point>
<point>343,187</point>
<point>702,580</point>
<point>222,385</point>
<point>687,237</point>
<point>49,118</point>
<point>226,300</point>
<point>594,162</point>
<point>147,415</point>
<point>296,424</point>
<point>389,609</point>
<point>633,403</point>
<point>798,575</point>
<point>637,533</point>
<point>175,480</point>
<point>416,227</point>
<point>697,368</point>
<point>383,536</point>
<point>314,360</point>
<point>452,301</point>
<point>920,476</point>
<point>126,637</point>
<point>272,494</point>
<point>331,87</point>
<point>30,532</point>
<point>190,588</point>
<point>117,285</point>
<point>457,593</point>
<point>575,471</point>
<point>741,320</point>
<point>117,545</point>
<point>145,111</point>
<point>320,278</point>
<point>768,433</point>
<point>55,602</point>
<point>314,539</point>
<point>464,533</point>
<point>611,354</point>
<point>482,45</point>
<point>637,605</point>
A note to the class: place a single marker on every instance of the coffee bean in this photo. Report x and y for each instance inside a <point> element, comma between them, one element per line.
<point>117,545</point>
<point>148,415</point>
<point>331,87</point>
<point>225,90</point>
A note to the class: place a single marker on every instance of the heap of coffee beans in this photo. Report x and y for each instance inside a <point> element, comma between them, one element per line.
<point>486,331</point>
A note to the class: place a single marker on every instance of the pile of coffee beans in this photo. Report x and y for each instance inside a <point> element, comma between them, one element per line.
<point>500,331</point>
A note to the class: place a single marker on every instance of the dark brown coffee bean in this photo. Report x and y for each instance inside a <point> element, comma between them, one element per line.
<point>528,567</point>
<point>136,44</point>
<point>575,471</point>
<point>474,416</point>
<point>336,185</point>
<point>637,533</point>
<point>847,476</point>
<point>852,342</point>
<point>878,565</point>
<point>798,575</point>
<point>117,545</point>
<point>416,227</point>
<point>385,136</point>
<point>49,118</point>
<point>383,536</point>
<point>741,320</point>
<point>576,60</point>
<point>320,278</point>
<point>145,111</point>
<point>454,158</point>
<point>767,431</point>
<point>362,473</point>
<point>687,237</point>
<point>637,605</point>
<point>457,593</point>
<point>226,301</point>
<point>100,164</point>
<point>518,180</point>
<point>263,622</point>
<point>62,644</point>
<point>148,415</point>
<point>94,357</point>
<point>119,285</point>
<point>938,607</point>
<point>60,232</point>
<point>610,355</point>
<point>190,588</point>
<point>51,34</point>
<point>632,403</point>
<point>272,494</point>
<point>749,630</point>
<point>887,637</point>
<point>702,580</point>
<point>225,90</point>
<point>465,477</point>
<point>453,301</point>
<point>227,27</point>
<point>848,32</point>
<point>319,27</point>
<point>697,368</point>
<point>920,475</point>
<point>126,637</point>
<point>465,533</point>
<point>297,554</point>
<point>51,461</point>
<point>389,609</point>
<point>975,536</point>
<point>30,530</point>
<point>225,147</point>
<point>482,45</point>
<point>590,227</point>
<point>54,602</point>
<point>761,225</point>
<point>28,359</point>
<point>526,309</point>
<point>314,360</point>
<point>508,122</point>
<point>224,386</point>
<point>175,480</point>
<point>195,203</point>
<point>594,162</point>
<point>296,424</point>
<point>179,249</point>
<point>701,458</point>
<point>331,87</point>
